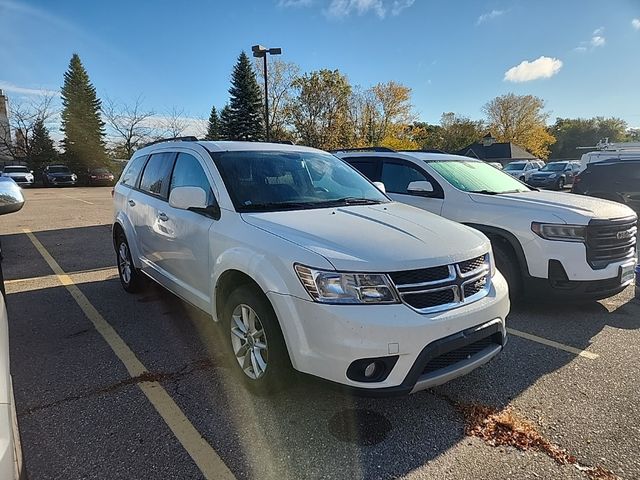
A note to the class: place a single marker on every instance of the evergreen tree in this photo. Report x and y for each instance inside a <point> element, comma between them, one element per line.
<point>213,129</point>
<point>246,103</point>
<point>81,122</point>
<point>42,151</point>
<point>224,132</point>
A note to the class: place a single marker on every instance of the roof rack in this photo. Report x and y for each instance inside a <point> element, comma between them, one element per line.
<point>363,149</point>
<point>425,150</point>
<point>188,138</point>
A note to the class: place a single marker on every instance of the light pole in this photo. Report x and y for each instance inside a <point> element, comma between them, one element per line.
<point>261,52</point>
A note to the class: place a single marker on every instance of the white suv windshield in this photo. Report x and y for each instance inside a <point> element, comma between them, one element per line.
<point>263,181</point>
<point>515,166</point>
<point>477,177</point>
<point>553,167</point>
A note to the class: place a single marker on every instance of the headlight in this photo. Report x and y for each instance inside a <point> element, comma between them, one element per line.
<point>74,177</point>
<point>555,231</point>
<point>346,288</point>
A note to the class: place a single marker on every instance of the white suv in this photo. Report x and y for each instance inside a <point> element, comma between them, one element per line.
<point>523,169</point>
<point>305,263</point>
<point>545,243</point>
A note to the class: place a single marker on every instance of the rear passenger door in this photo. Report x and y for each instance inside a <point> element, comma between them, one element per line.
<point>189,262</point>
<point>397,174</point>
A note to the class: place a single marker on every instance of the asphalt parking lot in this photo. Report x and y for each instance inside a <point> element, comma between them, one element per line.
<point>569,377</point>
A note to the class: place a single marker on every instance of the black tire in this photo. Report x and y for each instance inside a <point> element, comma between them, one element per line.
<point>507,263</point>
<point>133,281</point>
<point>522,179</point>
<point>560,184</point>
<point>277,371</point>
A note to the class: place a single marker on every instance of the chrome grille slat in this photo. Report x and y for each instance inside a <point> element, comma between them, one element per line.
<point>608,241</point>
<point>465,282</point>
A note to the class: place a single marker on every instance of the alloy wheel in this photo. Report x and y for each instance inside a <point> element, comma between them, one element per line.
<point>249,341</point>
<point>124,263</point>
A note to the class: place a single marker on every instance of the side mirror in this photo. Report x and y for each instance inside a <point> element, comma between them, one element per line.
<point>31,172</point>
<point>11,199</point>
<point>185,198</point>
<point>420,187</point>
<point>380,186</point>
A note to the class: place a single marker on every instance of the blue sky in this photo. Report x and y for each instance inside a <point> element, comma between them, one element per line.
<point>583,55</point>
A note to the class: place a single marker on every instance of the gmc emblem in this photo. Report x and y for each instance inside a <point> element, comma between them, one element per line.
<point>623,235</point>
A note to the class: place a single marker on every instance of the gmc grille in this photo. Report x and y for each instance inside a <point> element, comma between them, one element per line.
<point>610,241</point>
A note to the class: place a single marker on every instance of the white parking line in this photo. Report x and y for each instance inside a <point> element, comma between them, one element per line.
<point>205,457</point>
<point>551,343</point>
<point>78,199</point>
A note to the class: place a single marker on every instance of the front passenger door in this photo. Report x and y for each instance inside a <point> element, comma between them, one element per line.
<point>397,175</point>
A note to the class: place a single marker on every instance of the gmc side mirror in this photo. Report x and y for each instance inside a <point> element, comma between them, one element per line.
<point>11,198</point>
<point>420,187</point>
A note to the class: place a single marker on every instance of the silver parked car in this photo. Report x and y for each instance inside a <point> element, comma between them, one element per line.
<point>11,200</point>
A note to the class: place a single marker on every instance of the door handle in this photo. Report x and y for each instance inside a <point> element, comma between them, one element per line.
<point>132,203</point>
<point>162,217</point>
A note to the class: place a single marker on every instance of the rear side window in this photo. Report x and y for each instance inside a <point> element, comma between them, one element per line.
<point>366,167</point>
<point>155,178</point>
<point>189,173</point>
<point>132,171</point>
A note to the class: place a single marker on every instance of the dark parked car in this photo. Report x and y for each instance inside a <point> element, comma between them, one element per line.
<point>617,180</point>
<point>99,176</point>
<point>58,175</point>
<point>555,175</point>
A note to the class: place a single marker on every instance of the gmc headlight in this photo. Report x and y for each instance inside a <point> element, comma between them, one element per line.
<point>326,286</point>
<point>556,231</point>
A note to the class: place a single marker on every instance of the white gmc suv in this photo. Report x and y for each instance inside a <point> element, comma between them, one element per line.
<point>546,243</point>
<point>304,263</point>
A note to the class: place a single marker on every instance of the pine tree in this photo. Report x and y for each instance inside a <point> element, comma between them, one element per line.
<point>213,128</point>
<point>42,151</point>
<point>224,132</point>
<point>81,122</point>
<point>246,103</point>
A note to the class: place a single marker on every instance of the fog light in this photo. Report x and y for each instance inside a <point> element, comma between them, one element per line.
<point>370,370</point>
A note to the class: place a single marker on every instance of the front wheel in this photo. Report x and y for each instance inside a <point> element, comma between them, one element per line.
<point>256,341</point>
<point>560,185</point>
<point>507,263</point>
<point>130,277</point>
<point>522,179</point>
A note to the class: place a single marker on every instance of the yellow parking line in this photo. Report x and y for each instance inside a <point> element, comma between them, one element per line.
<point>205,457</point>
<point>551,343</point>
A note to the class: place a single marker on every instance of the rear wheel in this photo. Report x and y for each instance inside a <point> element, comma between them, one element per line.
<point>256,341</point>
<point>507,263</point>
<point>130,277</point>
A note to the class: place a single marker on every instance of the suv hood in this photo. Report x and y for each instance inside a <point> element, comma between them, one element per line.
<point>381,238</point>
<point>568,207</point>
<point>59,174</point>
<point>17,174</point>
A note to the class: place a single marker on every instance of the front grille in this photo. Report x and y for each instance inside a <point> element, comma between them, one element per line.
<point>445,286</point>
<point>430,299</point>
<point>454,356</point>
<point>475,286</point>
<point>609,241</point>
<point>20,179</point>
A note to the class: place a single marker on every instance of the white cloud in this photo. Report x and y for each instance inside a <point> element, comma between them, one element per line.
<point>598,41</point>
<point>580,49</point>
<point>635,23</point>
<point>294,3</point>
<point>10,87</point>
<point>598,31</point>
<point>399,5</point>
<point>344,8</point>
<point>543,67</point>
<point>485,17</point>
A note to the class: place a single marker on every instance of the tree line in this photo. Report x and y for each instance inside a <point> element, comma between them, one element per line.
<point>320,109</point>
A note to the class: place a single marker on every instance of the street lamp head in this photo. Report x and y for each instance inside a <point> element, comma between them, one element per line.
<point>275,51</point>
<point>259,51</point>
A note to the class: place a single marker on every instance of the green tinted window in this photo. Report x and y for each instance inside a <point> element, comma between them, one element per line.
<point>477,177</point>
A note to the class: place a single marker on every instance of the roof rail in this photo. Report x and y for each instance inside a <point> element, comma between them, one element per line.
<point>363,149</point>
<point>188,138</point>
<point>425,150</point>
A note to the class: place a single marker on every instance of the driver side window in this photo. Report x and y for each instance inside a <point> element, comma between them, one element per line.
<point>189,173</point>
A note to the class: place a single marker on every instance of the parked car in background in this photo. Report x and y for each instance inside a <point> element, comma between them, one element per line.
<point>555,175</point>
<point>617,180</point>
<point>546,244</point>
<point>20,174</point>
<point>58,176</point>
<point>498,165</point>
<point>305,263</point>
<point>11,467</point>
<point>523,169</point>
<point>99,176</point>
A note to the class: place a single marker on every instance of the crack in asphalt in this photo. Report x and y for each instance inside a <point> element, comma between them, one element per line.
<point>160,377</point>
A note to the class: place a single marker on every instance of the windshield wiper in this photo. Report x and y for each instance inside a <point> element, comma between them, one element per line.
<point>485,192</point>
<point>351,201</point>
<point>276,206</point>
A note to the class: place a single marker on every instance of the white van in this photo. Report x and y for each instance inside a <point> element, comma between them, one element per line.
<point>606,151</point>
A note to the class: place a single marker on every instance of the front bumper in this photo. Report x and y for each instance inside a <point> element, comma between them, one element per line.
<point>63,183</point>
<point>324,340</point>
<point>542,182</point>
